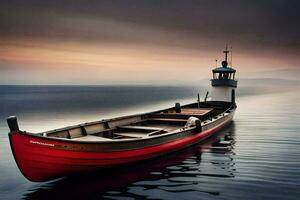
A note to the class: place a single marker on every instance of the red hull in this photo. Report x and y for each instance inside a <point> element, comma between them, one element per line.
<point>41,163</point>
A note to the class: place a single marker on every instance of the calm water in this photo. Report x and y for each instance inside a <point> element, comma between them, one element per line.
<point>262,160</point>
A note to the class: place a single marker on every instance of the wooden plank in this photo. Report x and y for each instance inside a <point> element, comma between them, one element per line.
<point>113,123</point>
<point>193,111</point>
<point>182,115</point>
<point>141,128</point>
<point>133,135</point>
<point>94,128</point>
<point>168,119</point>
<point>91,138</point>
<point>75,132</point>
<point>197,111</point>
<point>159,132</point>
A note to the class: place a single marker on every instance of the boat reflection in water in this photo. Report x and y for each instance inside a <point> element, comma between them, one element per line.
<point>195,169</point>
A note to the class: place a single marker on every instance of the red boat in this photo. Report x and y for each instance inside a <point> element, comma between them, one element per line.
<point>113,142</point>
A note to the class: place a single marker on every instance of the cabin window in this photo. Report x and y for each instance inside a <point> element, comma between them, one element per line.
<point>231,76</point>
<point>224,75</point>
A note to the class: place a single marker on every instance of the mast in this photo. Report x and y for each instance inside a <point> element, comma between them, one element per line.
<point>226,52</point>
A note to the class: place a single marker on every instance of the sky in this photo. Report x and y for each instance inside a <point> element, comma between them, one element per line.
<point>145,42</point>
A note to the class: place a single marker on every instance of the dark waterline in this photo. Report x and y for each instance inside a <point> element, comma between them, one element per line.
<point>262,161</point>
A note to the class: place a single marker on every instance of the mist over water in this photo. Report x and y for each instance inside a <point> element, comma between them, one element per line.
<point>261,160</point>
<point>46,107</point>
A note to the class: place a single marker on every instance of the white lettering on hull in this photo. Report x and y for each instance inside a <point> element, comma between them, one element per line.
<point>41,143</point>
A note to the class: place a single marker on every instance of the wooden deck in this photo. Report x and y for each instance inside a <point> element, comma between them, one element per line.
<point>193,111</point>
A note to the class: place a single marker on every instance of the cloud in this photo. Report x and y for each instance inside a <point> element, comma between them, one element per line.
<point>145,40</point>
<point>267,23</point>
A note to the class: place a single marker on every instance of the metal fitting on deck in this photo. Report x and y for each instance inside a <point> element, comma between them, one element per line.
<point>177,108</point>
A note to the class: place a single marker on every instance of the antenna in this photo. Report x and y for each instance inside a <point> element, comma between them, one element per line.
<point>226,52</point>
<point>198,100</point>
<point>231,57</point>
<point>216,63</point>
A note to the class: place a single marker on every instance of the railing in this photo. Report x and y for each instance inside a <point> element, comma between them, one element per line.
<point>224,82</point>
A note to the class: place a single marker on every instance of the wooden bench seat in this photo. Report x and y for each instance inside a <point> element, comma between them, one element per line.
<point>141,135</point>
<point>195,111</point>
<point>91,138</point>
<point>132,134</point>
<point>168,119</point>
<point>141,128</point>
<point>184,114</point>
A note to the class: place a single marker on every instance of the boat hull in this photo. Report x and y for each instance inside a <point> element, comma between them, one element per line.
<point>40,159</point>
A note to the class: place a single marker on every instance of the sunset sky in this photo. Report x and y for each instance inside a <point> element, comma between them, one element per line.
<point>144,42</point>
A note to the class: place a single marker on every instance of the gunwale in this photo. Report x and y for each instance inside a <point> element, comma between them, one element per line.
<point>204,124</point>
